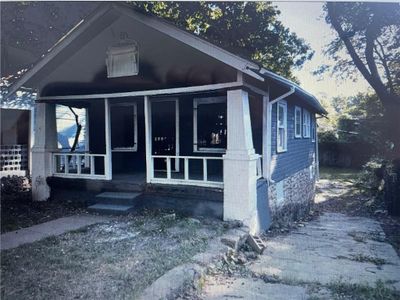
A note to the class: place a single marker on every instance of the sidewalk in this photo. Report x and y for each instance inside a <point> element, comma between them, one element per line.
<point>38,232</point>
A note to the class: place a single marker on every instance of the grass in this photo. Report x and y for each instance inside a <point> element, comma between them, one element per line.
<point>113,260</point>
<point>353,291</point>
<point>343,174</point>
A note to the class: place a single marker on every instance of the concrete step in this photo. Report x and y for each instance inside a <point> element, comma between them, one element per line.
<point>118,198</point>
<point>111,208</point>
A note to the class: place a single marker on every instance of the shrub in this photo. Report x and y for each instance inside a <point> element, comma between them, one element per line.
<point>15,184</point>
<point>371,176</point>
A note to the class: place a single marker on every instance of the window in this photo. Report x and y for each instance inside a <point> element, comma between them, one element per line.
<point>67,128</point>
<point>306,124</point>
<point>123,117</point>
<point>297,122</point>
<point>209,125</point>
<point>313,130</point>
<point>281,126</point>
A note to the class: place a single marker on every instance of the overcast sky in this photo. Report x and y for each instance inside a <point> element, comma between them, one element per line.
<point>307,21</point>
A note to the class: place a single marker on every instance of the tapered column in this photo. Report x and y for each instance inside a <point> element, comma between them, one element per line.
<point>45,143</point>
<point>240,176</point>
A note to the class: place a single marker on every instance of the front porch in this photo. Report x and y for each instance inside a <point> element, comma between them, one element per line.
<point>138,143</point>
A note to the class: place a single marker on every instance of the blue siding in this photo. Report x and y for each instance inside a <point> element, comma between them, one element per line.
<point>299,152</point>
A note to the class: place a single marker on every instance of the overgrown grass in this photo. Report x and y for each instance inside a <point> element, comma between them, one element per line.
<point>343,174</point>
<point>352,291</point>
<point>114,260</point>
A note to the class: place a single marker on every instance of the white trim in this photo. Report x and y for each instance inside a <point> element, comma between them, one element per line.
<point>265,136</point>
<point>196,103</point>
<point>313,129</point>
<point>135,129</point>
<point>296,119</point>
<point>281,103</point>
<point>160,92</point>
<point>306,123</point>
<point>108,160</point>
<point>148,137</point>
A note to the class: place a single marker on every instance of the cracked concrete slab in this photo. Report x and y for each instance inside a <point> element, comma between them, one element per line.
<point>328,250</point>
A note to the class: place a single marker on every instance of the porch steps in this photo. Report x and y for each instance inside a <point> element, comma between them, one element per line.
<point>115,202</point>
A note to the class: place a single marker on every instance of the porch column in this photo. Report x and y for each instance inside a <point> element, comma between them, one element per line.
<point>148,134</point>
<point>45,144</point>
<point>108,160</point>
<point>240,160</point>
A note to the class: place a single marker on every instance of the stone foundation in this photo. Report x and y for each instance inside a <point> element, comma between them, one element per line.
<point>292,198</point>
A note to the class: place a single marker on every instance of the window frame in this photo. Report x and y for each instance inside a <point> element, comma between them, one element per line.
<point>279,149</point>
<point>313,129</point>
<point>135,129</point>
<point>196,103</point>
<point>306,123</point>
<point>296,119</point>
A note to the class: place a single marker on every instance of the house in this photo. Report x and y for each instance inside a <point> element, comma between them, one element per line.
<point>16,131</point>
<point>164,108</point>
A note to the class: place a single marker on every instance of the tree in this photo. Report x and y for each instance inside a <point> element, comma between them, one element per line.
<point>249,29</point>
<point>370,32</point>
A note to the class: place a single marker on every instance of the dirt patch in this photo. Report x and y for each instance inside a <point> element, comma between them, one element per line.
<point>19,211</point>
<point>113,260</point>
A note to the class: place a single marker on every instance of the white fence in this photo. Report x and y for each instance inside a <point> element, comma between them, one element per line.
<point>79,165</point>
<point>201,174</point>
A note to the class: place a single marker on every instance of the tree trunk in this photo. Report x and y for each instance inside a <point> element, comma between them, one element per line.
<point>392,128</point>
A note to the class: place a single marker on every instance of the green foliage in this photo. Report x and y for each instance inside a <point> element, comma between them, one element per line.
<point>367,26</point>
<point>249,29</point>
<point>371,177</point>
<point>355,119</point>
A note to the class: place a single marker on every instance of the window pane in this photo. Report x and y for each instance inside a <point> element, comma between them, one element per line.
<point>211,125</point>
<point>281,117</point>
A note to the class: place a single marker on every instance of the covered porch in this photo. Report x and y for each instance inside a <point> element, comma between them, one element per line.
<point>173,139</point>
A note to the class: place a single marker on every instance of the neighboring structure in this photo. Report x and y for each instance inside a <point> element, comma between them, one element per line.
<point>16,128</point>
<point>165,107</point>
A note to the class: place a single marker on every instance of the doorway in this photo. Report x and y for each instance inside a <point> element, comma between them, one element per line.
<point>165,132</point>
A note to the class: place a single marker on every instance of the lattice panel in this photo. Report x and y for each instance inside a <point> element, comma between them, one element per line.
<point>14,158</point>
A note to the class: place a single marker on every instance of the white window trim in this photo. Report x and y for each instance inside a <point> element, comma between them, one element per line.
<point>296,109</point>
<point>313,129</point>
<point>196,103</point>
<point>306,123</point>
<point>135,129</point>
<point>282,103</point>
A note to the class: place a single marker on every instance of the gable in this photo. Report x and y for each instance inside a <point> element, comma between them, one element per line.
<point>110,15</point>
<point>163,62</point>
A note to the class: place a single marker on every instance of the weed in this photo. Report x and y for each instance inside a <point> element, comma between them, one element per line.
<point>354,291</point>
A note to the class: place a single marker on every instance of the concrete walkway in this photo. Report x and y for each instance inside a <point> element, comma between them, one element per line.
<point>59,226</point>
<point>332,250</point>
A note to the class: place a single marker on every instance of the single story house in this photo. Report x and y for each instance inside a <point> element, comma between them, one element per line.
<point>167,108</point>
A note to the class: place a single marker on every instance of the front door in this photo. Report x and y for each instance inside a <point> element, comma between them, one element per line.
<point>165,132</point>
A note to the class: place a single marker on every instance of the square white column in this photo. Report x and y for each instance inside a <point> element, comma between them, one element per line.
<point>240,163</point>
<point>45,144</point>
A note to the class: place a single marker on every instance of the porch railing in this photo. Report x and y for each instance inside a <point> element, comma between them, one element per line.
<point>205,171</point>
<point>79,165</point>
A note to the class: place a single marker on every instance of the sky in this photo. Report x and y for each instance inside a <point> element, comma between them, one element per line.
<point>307,21</point>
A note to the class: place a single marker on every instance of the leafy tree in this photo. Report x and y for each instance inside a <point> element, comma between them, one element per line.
<point>250,29</point>
<point>370,32</point>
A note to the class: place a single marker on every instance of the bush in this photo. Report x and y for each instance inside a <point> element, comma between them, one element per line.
<point>12,185</point>
<point>371,176</point>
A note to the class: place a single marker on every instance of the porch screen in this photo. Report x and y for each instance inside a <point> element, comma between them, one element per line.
<point>67,119</point>
<point>210,126</point>
<point>124,128</point>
